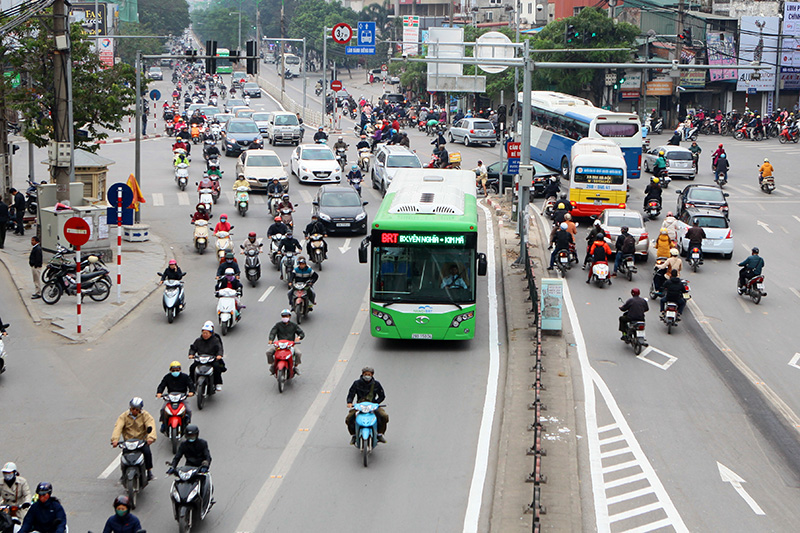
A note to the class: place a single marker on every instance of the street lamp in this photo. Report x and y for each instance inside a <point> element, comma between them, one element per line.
<point>240,27</point>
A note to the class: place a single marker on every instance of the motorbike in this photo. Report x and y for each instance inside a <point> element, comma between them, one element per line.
<point>722,180</point>
<point>363,159</point>
<point>212,101</point>
<point>600,274</point>
<point>200,235</point>
<point>286,216</point>
<point>192,496</point>
<point>563,262</point>
<point>252,265</point>
<point>317,253</point>
<point>216,130</point>
<point>224,243</point>
<point>95,284</point>
<point>31,197</point>
<point>195,137</point>
<point>670,316</point>
<point>206,198</point>
<point>627,266</point>
<point>275,256</point>
<point>300,301</point>
<point>288,264</point>
<point>204,377</point>
<point>247,99</point>
<point>744,133</point>
<point>789,134</point>
<point>634,335</point>
<point>693,258</point>
<point>174,417</point>
<point>242,199</point>
<point>767,184</point>
<point>131,464</point>
<point>227,313</point>
<point>366,428</point>
<point>657,271</point>
<point>549,207</point>
<point>656,127</point>
<point>754,288</point>
<point>58,264</point>
<point>653,209</point>
<point>11,521</point>
<point>173,300</point>
<point>215,188</point>
<point>169,128</point>
<point>2,356</point>
<point>284,362</point>
<point>182,175</point>
<point>341,158</point>
<point>273,202</point>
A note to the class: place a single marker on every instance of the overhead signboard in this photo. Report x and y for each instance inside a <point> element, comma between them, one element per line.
<point>758,43</point>
<point>366,34</point>
<point>493,45</point>
<point>85,15</point>
<point>448,76</point>
<point>721,51</point>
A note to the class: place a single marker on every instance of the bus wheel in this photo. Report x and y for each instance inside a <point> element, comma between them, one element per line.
<point>565,168</point>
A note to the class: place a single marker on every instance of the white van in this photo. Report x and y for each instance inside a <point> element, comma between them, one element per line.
<point>293,64</point>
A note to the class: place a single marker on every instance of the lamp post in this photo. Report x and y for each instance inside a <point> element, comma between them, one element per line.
<point>239,48</point>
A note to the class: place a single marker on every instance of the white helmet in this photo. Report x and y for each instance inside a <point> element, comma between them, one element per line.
<point>229,272</point>
<point>208,326</point>
<point>9,467</point>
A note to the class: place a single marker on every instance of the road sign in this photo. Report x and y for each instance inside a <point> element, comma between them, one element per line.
<point>513,165</point>
<point>491,46</point>
<point>366,34</point>
<point>155,94</point>
<point>514,150</point>
<point>359,50</point>
<point>127,195</point>
<point>336,85</point>
<point>384,68</point>
<point>342,33</point>
<point>77,231</point>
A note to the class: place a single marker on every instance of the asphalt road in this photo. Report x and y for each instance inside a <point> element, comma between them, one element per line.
<point>281,462</point>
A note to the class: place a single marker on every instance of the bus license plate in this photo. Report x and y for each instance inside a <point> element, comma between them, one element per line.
<point>424,336</point>
<point>598,201</point>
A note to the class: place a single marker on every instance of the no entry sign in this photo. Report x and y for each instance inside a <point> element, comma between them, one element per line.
<point>77,231</point>
<point>336,85</point>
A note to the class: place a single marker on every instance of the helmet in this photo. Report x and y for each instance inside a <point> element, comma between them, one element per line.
<point>173,262</point>
<point>654,180</point>
<point>9,467</point>
<point>252,234</point>
<point>229,272</point>
<point>192,430</point>
<point>624,229</point>
<point>122,500</point>
<point>93,259</point>
<point>766,160</point>
<point>341,138</point>
<point>367,369</point>
<point>363,136</point>
<point>669,214</point>
<point>228,255</point>
<point>208,326</point>
<point>635,291</point>
<point>301,260</point>
<point>755,249</point>
<point>673,252</point>
<point>661,152</point>
<point>175,364</point>
<point>285,196</point>
<point>136,403</point>
<point>44,488</point>
<point>277,218</point>
<point>720,145</point>
<point>354,166</point>
<point>597,222</point>
<point>567,216</point>
<point>286,312</point>
<point>563,225</point>
<point>223,216</point>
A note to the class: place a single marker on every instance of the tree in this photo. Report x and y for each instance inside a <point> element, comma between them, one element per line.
<point>164,18</point>
<point>126,48</point>
<point>217,23</point>
<point>101,97</point>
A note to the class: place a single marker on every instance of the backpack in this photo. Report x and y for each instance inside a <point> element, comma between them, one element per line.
<point>628,245</point>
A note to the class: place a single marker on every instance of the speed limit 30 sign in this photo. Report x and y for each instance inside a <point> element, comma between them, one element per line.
<point>342,33</point>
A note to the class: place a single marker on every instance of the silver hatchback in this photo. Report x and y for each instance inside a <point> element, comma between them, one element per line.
<point>679,161</point>
<point>473,131</point>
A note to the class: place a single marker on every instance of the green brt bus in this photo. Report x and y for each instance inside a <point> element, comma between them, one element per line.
<point>224,65</point>
<point>423,255</point>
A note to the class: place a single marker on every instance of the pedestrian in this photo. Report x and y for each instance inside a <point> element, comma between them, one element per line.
<point>35,261</point>
<point>144,122</point>
<point>19,208</point>
<point>4,219</point>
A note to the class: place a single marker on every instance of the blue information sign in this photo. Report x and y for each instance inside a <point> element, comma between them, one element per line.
<point>366,34</point>
<point>359,50</point>
<point>155,94</point>
<point>513,165</point>
<point>127,195</point>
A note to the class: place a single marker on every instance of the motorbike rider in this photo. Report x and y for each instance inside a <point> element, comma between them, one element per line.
<point>274,187</point>
<point>173,271</point>
<point>200,213</point>
<point>363,143</point>
<point>277,228</point>
<point>599,252</point>
<point>15,490</point>
<point>286,203</point>
<point>366,389</point>
<point>180,158</point>
<point>185,138</point>
<point>652,192</point>
<point>288,244</point>
<point>718,152</point>
<point>695,236</point>
<point>340,144</point>
<point>590,238</point>
<point>122,521</point>
<point>303,272</point>
<point>315,226</point>
<point>251,243</point>
<point>755,125</point>
<point>208,343</point>
<point>241,182</point>
<point>285,330</point>
<point>751,267</point>
<point>562,207</point>
<point>625,245</point>
<point>663,243</point>
<point>664,271</point>
<point>675,140</point>
<point>439,141</point>
<point>482,174</point>
<point>560,240</point>
<point>660,166</point>
<point>354,177</point>
<point>136,423</point>
<point>721,167</point>
<point>671,225</point>
<point>673,292</point>
<point>46,514</point>
<point>223,224</point>
<point>633,311</point>
<point>210,150</point>
<point>320,135</point>
<point>228,262</point>
<point>175,381</point>
<point>214,173</point>
<point>229,281</point>
<point>696,151</point>
<point>552,189</point>
<point>195,451</point>
<point>765,171</point>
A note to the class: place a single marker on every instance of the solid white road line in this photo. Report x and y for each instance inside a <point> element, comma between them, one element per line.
<point>183,198</point>
<point>475,500</point>
<point>266,293</point>
<point>745,307</point>
<point>110,468</point>
<point>158,199</point>
<point>795,291</point>
<point>797,218</point>
<point>263,499</point>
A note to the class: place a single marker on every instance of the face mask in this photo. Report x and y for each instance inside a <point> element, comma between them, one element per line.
<point>192,439</point>
<point>9,477</point>
<point>230,278</point>
<point>367,378</point>
<point>122,512</point>
<point>223,220</point>
<point>284,319</point>
<point>175,374</point>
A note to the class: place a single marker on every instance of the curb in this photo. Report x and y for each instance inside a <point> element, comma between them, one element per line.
<point>129,139</point>
<point>15,277</point>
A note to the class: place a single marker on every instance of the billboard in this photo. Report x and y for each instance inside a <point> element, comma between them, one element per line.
<point>721,47</point>
<point>790,52</point>
<point>759,43</point>
<point>86,16</point>
<point>410,35</point>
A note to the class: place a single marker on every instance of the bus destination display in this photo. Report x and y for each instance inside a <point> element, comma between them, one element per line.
<point>417,238</point>
<point>599,176</point>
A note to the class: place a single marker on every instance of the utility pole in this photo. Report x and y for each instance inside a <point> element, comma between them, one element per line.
<point>31,170</point>
<point>777,103</point>
<point>283,52</point>
<point>137,168</point>
<point>61,170</point>
<point>324,72</point>
<point>5,153</point>
<point>678,52</point>
<point>258,29</point>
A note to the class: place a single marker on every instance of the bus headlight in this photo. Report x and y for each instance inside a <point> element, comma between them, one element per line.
<point>386,317</point>
<point>461,318</point>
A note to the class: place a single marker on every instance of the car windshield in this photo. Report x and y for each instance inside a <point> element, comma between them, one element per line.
<point>286,120</point>
<point>317,155</point>
<point>620,220</point>
<point>680,156</point>
<point>706,195</point>
<point>711,222</point>
<point>155,69</point>
<point>403,161</point>
<point>244,113</point>
<point>482,126</point>
<point>243,127</point>
<point>260,116</point>
<point>340,199</point>
<point>263,161</point>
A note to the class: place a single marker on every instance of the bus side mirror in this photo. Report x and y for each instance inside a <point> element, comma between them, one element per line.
<point>362,250</point>
<point>481,264</point>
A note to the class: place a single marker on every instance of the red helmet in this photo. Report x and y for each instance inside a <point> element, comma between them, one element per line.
<point>720,145</point>
<point>634,292</point>
<point>252,234</point>
<point>278,218</point>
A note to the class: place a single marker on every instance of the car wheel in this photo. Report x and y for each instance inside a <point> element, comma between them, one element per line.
<point>646,167</point>
<point>451,138</point>
<point>728,256</point>
<point>467,142</point>
<point>492,145</point>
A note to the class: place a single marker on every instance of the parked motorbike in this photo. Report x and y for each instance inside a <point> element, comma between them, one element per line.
<point>627,266</point>
<point>653,209</point>
<point>94,284</point>
<point>300,301</point>
<point>366,429</point>
<point>284,362</point>
<point>131,463</point>
<point>252,265</point>
<point>789,134</point>
<point>173,300</point>
<point>600,274</point>
<point>227,313</point>
<point>200,235</point>
<point>224,243</point>
<point>60,264</point>
<point>192,496</point>
<point>175,417</point>
<point>317,252</point>
<point>242,200</point>
<point>31,197</point>
<point>182,175</point>
<point>754,288</point>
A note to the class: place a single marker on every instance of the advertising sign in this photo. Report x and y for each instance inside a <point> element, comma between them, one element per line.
<point>759,42</point>
<point>410,35</point>
<point>105,47</point>
<point>85,15</point>
<point>693,79</point>
<point>721,51</point>
<point>660,87</point>
<point>790,54</point>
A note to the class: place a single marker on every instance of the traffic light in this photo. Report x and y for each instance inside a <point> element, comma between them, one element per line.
<point>211,50</point>
<point>686,37</point>
<point>621,77</point>
<point>191,56</point>
<point>571,34</point>
<point>589,37</point>
<point>252,58</point>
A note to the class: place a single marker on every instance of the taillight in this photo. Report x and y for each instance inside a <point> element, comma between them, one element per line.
<point>729,235</point>
<point>472,131</point>
<point>573,204</point>
<point>643,236</point>
<point>621,206</point>
<point>640,161</point>
<point>640,326</point>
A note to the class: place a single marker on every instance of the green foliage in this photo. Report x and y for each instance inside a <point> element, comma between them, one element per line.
<point>126,48</point>
<point>220,22</point>
<point>102,97</point>
<point>164,17</point>
<point>413,76</point>
<point>309,19</point>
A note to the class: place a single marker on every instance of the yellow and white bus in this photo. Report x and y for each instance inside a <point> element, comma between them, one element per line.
<point>598,177</point>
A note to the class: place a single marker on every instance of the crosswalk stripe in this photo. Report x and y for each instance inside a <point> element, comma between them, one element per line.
<point>158,199</point>
<point>305,196</point>
<point>793,189</point>
<point>750,187</point>
<point>183,198</point>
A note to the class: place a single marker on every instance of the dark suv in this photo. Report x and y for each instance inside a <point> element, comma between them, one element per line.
<point>393,99</point>
<point>240,134</point>
<point>703,197</point>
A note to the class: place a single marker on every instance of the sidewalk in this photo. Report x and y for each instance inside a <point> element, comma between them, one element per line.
<point>560,495</point>
<point>140,262</point>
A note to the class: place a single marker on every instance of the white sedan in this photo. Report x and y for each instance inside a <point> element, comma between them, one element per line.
<point>315,163</point>
<point>719,236</point>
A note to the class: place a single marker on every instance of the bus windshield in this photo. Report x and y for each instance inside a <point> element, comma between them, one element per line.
<point>292,60</point>
<point>617,129</point>
<point>429,274</point>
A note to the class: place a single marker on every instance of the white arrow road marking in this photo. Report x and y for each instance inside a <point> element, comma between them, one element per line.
<point>266,293</point>
<point>346,246</point>
<point>794,360</point>
<point>729,476</point>
<point>183,198</point>
<point>764,225</point>
<point>158,199</point>
<point>110,468</point>
<point>663,366</point>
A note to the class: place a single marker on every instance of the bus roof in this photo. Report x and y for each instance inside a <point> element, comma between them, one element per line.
<point>572,106</point>
<point>597,152</point>
<point>429,199</point>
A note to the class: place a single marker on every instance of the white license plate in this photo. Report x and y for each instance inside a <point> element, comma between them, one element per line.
<point>695,256</point>
<point>428,336</point>
<point>760,286</point>
<point>598,202</point>
<point>564,259</point>
<point>640,333</point>
<point>670,314</point>
<point>342,224</point>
